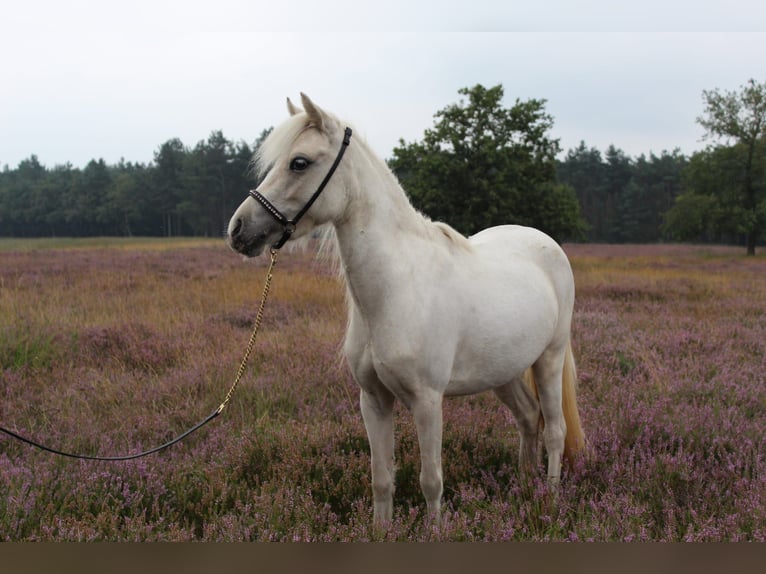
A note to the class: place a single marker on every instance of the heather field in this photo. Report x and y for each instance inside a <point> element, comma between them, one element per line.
<point>111,347</point>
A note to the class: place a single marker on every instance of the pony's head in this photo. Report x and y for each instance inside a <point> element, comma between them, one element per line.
<point>296,157</point>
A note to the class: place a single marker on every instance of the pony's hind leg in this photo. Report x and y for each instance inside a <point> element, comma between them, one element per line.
<point>378,415</point>
<point>548,371</point>
<point>524,406</point>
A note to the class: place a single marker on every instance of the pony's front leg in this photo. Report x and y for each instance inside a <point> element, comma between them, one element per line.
<point>427,412</point>
<point>378,415</point>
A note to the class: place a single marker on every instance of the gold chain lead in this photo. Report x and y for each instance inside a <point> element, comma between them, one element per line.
<point>256,326</point>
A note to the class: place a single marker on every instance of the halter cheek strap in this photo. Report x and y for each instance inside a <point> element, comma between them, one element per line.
<point>289,225</point>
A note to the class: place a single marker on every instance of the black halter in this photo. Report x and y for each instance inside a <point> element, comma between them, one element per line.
<point>290,224</point>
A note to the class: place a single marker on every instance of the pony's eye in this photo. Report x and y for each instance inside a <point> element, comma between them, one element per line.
<point>299,164</point>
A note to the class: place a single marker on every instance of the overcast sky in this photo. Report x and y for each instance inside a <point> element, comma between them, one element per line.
<point>101,79</point>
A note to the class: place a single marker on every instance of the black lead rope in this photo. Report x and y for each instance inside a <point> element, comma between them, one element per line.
<point>179,438</point>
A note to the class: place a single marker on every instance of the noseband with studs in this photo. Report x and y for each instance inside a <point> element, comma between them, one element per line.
<point>289,225</point>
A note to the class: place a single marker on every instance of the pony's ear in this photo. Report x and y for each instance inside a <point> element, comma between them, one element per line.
<point>315,113</point>
<point>292,108</point>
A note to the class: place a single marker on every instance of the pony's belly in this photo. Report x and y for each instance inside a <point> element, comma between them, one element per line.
<point>486,377</point>
<point>460,388</point>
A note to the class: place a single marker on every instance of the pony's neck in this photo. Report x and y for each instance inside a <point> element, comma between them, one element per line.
<point>376,201</point>
<point>378,223</point>
<point>375,192</point>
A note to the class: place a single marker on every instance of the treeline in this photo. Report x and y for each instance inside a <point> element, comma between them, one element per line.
<point>623,199</point>
<point>184,191</point>
<point>481,164</point>
<point>194,191</point>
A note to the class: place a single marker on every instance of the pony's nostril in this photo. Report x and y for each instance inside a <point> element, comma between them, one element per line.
<point>237,228</point>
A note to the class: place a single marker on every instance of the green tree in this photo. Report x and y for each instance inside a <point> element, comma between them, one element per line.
<point>585,171</point>
<point>129,199</point>
<point>662,178</point>
<point>653,186</point>
<point>168,184</point>
<point>618,174</point>
<point>692,217</point>
<point>622,199</point>
<point>215,176</point>
<point>738,119</point>
<point>483,164</point>
<point>89,210</point>
<point>25,188</point>
<point>713,181</point>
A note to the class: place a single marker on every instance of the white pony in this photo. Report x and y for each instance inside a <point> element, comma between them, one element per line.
<point>431,312</point>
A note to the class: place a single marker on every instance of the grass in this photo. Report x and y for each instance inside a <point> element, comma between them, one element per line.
<point>114,347</point>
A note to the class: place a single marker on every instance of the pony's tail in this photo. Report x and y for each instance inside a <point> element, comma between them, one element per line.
<point>575,439</point>
<point>574,442</point>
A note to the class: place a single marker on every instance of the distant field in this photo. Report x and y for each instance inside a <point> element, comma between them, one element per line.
<point>12,244</point>
<point>108,346</point>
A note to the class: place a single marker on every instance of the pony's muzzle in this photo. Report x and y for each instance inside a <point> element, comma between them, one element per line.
<point>243,239</point>
<point>234,231</point>
<point>234,235</point>
<point>237,238</point>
